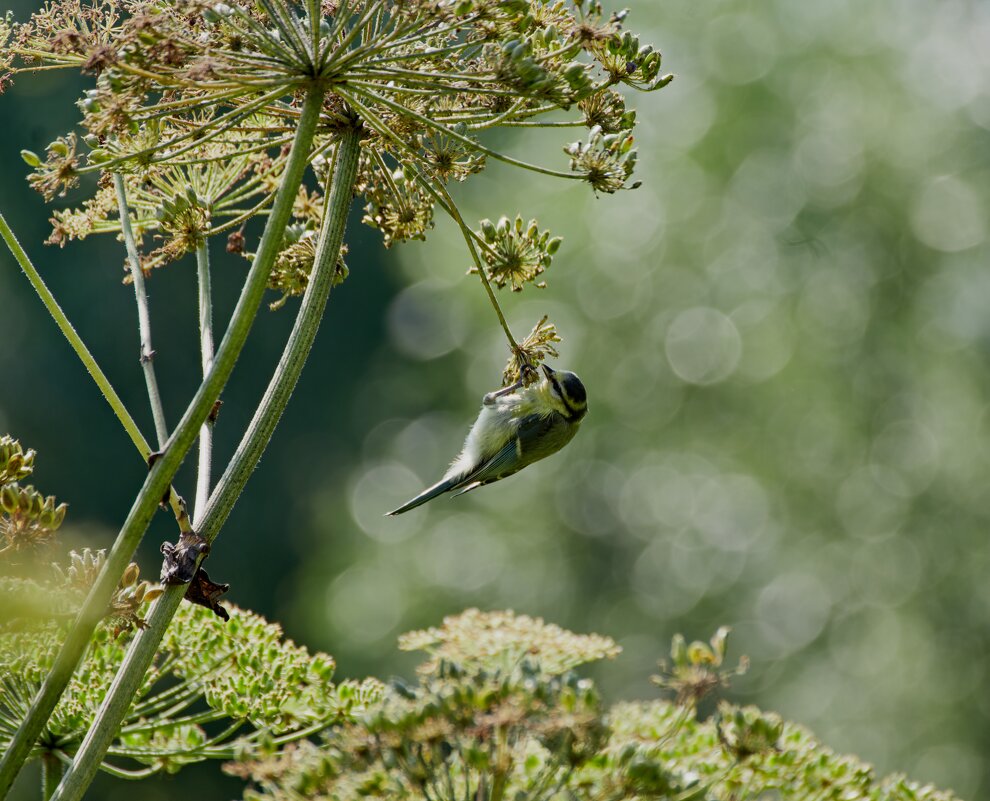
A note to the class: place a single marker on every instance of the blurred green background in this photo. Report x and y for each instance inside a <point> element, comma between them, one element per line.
<point>784,334</point>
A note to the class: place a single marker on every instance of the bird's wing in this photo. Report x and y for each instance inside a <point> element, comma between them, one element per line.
<point>534,439</point>
<point>521,450</point>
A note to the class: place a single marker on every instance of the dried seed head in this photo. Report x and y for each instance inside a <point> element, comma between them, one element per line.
<point>535,348</point>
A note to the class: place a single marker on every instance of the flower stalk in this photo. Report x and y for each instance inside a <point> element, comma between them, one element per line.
<point>144,316</point>
<point>51,774</point>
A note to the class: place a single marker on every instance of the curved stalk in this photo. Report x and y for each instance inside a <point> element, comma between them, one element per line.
<point>142,650</point>
<point>174,452</point>
<point>77,345</point>
<point>75,341</point>
<point>144,317</point>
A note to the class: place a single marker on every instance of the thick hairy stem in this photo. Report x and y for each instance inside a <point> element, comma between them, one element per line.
<point>77,345</point>
<point>51,774</point>
<point>165,466</point>
<point>206,353</point>
<point>283,382</point>
<point>142,650</point>
<point>144,317</point>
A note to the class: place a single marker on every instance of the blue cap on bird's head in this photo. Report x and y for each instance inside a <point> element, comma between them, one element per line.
<point>569,388</point>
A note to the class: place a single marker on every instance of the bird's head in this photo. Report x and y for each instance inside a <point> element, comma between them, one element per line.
<point>566,392</point>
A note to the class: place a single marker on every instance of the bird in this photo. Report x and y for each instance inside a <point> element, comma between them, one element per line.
<point>517,425</point>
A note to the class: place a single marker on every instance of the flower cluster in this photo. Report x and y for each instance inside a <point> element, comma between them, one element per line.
<point>497,713</point>
<point>178,203</point>
<point>516,253</point>
<point>497,707</point>
<point>128,599</point>
<point>201,94</point>
<point>28,519</point>
<point>15,462</point>
<point>606,160</point>
<point>747,731</point>
<point>503,641</point>
<point>535,348</point>
<point>258,688</point>
<point>695,670</point>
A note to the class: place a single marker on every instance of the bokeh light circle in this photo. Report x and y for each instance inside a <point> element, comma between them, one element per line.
<point>703,346</point>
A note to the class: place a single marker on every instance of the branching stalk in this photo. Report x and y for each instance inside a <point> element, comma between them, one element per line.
<point>142,649</point>
<point>144,316</point>
<point>165,467</point>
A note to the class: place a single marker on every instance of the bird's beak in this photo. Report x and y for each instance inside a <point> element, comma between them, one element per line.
<point>547,371</point>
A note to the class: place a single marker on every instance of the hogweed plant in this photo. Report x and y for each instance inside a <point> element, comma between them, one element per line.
<point>201,116</point>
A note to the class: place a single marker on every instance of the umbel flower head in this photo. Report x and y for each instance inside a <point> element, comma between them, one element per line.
<point>203,94</point>
<point>214,690</point>
<point>497,704</point>
<point>485,723</point>
<point>516,253</point>
<point>128,599</point>
<point>503,641</point>
<point>696,670</point>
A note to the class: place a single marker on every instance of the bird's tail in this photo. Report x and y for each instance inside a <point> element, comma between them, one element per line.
<point>427,495</point>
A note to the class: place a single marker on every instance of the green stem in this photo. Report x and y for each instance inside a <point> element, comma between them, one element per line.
<point>80,349</point>
<point>51,774</point>
<point>206,355</point>
<point>448,205</point>
<point>144,318</point>
<point>75,341</point>
<point>142,650</point>
<point>165,467</point>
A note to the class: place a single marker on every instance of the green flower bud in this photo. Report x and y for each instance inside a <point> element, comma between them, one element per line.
<point>9,498</point>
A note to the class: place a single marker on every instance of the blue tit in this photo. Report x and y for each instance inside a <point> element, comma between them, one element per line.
<point>517,425</point>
